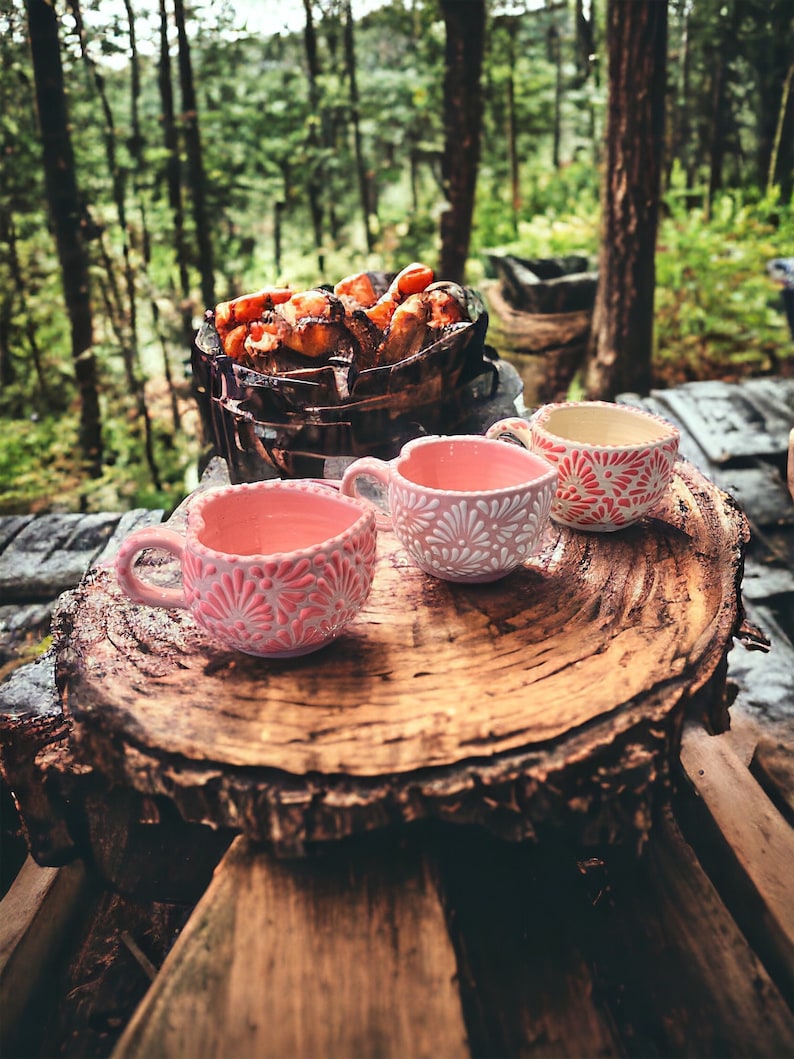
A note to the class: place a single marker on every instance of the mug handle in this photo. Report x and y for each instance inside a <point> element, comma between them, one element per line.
<point>515,428</point>
<point>369,467</point>
<point>131,547</point>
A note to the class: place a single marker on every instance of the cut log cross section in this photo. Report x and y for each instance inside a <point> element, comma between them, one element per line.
<point>557,692</point>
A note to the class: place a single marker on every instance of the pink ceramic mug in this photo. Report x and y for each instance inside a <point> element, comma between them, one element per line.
<point>465,508</point>
<point>275,568</point>
<point>614,462</point>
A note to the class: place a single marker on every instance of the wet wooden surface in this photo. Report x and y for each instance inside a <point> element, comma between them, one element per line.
<point>537,950</point>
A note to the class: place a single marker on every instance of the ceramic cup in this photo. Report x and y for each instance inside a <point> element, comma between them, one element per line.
<point>614,462</point>
<point>274,568</point>
<point>464,507</point>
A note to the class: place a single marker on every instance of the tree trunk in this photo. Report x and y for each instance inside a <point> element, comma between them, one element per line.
<point>314,184</point>
<point>585,47</point>
<point>784,110</point>
<point>511,24</point>
<point>465,36</point>
<point>68,218</point>
<point>196,177</point>
<point>772,62</point>
<point>174,172</point>
<point>136,145</point>
<point>361,168</point>
<point>555,55</point>
<point>619,357</point>
<point>124,320</point>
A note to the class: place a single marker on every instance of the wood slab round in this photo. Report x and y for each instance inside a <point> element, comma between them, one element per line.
<point>560,688</point>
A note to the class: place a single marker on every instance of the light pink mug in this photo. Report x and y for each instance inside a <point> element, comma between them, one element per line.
<point>614,462</point>
<point>465,508</point>
<point>275,569</point>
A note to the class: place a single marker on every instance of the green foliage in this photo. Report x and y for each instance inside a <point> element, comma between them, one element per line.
<point>716,309</point>
<point>266,136</point>
<point>39,465</point>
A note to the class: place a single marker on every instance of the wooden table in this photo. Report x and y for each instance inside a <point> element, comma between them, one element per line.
<point>364,900</point>
<point>556,692</point>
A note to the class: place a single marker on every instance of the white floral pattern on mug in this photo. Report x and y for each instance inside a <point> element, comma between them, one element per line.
<point>471,535</point>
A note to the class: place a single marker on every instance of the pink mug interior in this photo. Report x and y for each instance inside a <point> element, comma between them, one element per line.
<point>264,522</point>
<point>469,465</point>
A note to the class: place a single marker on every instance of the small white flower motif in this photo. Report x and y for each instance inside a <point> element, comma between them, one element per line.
<point>463,526</point>
<point>464,561</point>
<point>412,513</point>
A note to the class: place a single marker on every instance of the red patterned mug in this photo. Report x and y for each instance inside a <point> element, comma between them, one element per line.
<point>614,462</point>
<point>275,569</point>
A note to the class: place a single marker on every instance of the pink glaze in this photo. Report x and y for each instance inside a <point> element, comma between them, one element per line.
<point>275,569</point>
<point>464,507</point>
<point>614,462</point>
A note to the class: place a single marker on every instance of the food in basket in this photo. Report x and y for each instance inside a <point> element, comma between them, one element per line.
<point>276,330</point>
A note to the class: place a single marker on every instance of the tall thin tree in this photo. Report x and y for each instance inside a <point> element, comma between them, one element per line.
<point>124,317</point>
<point>195,175</point>
<point>355,118</point>
<point>619,356</point>
<point>173,170</point>
<point>314,182</point>
<point>463,105</point>
<point>68,218</point>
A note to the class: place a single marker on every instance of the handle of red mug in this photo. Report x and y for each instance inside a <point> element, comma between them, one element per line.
<point>512,427</point>
<point>131,547</point>
<point>369,467</point>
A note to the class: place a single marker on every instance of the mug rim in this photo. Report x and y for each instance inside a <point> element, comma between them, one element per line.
<point>548,475</point>
<point>196,521</point>
<point>670,431</point>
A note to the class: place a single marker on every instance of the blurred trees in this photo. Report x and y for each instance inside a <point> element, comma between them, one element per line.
<point>211,158</point>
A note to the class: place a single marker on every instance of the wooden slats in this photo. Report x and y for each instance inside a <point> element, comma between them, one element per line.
<point>345,955</point>
<point>525,979</point>
<point>760,840</point>
<point>678,974</point>
<point>35,916</point>
<point>729,421</point>
<point>715,436</point>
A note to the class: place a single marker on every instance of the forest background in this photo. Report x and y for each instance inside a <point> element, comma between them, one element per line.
<point>208,158</point>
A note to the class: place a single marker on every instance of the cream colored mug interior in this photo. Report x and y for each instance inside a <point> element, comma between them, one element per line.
<point>603,426</point>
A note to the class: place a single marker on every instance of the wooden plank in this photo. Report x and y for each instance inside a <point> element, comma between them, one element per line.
<point>669,964</point>
<point>526,985</point>
<point>10,526</point>
<point>51,554</point>
<point>774,398</point>
<point>566,954</point>
<point>35,916</point>
<point>773,766</point>
<point>759,838</point>
<point>760,491</point>
<point>764,580</point>
<point>724,420</point>
<point>764,679</point>
<point>758,488</point>
<point>343,955</point>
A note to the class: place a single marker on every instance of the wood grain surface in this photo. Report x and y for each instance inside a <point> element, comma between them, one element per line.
<point>341,956</point>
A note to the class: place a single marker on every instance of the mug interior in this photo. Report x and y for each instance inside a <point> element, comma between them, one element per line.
<point>470,465</point>
<point>264,521</point>
<point>599,425</point>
